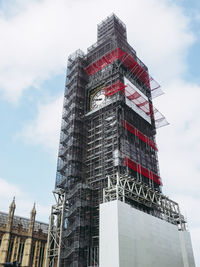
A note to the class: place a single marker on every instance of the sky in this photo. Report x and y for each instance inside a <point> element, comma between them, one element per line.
<point>36,38</point>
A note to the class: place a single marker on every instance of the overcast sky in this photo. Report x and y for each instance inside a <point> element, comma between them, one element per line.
<point>36,38</point>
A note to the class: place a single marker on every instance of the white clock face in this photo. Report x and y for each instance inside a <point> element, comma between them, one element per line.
<point>98,99</point>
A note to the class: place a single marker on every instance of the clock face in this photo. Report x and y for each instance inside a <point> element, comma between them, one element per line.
<point>98,99</point>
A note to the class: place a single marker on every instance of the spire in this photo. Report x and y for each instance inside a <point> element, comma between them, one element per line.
<point>32,219</point>
<point>11,214</point>
<point>12,205</point>
<point>12,208</point>
<point>33,212</point>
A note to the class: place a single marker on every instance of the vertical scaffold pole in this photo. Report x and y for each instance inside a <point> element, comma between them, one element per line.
<point>56,221</point>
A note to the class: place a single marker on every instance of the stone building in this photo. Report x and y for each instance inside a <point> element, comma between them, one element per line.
<point>21,239</point>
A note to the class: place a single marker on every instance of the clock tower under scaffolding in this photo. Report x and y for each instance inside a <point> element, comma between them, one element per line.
<point>108,128</point>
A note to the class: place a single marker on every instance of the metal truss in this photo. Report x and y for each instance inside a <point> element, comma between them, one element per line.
<point>56,223</point>
<point>126,189</point>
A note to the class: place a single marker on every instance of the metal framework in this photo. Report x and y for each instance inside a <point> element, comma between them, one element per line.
<point>126,189</point>
<point>140,135</point>
<point>95,142</point>
<point>134,64</point>
<point>142,170</point>
<point>56,221</point>
<point>142,103</point>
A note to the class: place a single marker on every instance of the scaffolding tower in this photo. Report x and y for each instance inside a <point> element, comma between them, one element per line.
<point>57,221</point>
<point>108,126</point>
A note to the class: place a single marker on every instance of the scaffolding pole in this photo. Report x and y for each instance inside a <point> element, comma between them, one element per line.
<point>56,222</point>
<point>124,188</point>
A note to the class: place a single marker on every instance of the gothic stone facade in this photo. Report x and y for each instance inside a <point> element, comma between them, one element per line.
<point>22,240</point>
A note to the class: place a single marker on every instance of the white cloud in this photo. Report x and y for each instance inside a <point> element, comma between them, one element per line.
<point>160,33</point>
<point>180,142</point>
<point>7,190</point>
<point>24,203</point>
<point>45,128</point>
<point>38,36</point>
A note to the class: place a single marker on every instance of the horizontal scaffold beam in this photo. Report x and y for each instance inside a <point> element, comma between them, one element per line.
<point>125,188</point>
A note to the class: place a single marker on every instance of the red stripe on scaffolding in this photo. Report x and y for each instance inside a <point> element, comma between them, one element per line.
<point>104,61</point>
<point>139,100</point>
<point>140,169</point>
<point>131,93</point>
<point>140,135</point>
<point>133,64</point>
<point>114,88</point>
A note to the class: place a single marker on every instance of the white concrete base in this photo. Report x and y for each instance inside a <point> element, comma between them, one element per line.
<point>132,238</point>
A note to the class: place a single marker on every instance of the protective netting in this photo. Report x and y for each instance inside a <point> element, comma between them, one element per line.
<point>138,99</point>
<point>104,61</point>
<point>114,88</point>
<point>134,64</point>
<point>160,120</point>
<point>141,102</point>
<point>140,135</point>
<point>140,169</point>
